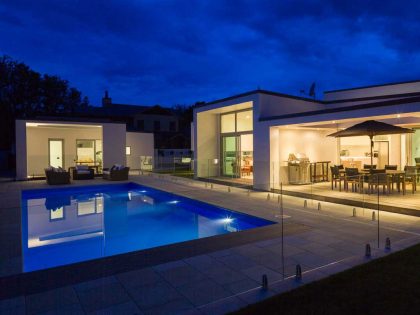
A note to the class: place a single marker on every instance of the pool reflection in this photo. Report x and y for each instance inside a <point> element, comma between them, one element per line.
<point>66,226</point>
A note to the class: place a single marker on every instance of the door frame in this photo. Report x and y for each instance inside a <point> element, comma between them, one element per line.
<point>237,146</point>
<point>62,150</point>
<point>387,143</point>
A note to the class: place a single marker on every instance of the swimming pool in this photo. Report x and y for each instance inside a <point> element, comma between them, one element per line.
<point>61,226</point>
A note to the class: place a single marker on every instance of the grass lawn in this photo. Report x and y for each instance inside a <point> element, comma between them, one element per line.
<point>390,285</point>
<point>177,172</point>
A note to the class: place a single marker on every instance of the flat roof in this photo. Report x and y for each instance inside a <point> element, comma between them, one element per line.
<point>344,108</point>
<point>259,91</point>
<point>371,86</point>
<point>353,99</point>
<point>70,120</point>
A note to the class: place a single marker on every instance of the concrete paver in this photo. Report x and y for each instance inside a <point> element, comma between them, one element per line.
<point>223,280</point>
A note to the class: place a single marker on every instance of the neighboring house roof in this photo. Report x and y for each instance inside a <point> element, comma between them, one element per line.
<point>158,110</point>
<point>123,110</point>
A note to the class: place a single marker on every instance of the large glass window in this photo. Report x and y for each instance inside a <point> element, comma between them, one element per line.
<point>236,122</point>
<point>244,121</point>
<point>228,123</point>
<point>85,151</point>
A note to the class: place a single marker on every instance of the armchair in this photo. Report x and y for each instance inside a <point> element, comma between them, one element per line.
<point>117,172</point>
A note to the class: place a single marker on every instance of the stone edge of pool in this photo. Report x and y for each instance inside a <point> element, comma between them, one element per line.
<point>41,280</point>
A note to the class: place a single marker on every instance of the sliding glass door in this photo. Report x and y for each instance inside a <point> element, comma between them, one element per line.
<point>230,165</point>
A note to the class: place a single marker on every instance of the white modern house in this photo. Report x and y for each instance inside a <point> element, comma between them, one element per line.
<point>251,136</point>
<point>58,143</point>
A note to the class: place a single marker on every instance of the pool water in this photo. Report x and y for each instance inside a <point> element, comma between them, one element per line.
<point>66,225</point>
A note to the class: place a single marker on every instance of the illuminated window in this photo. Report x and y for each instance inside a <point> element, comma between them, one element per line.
<point>244,121</point>
<point>127,150</point>
<point>228,123</point>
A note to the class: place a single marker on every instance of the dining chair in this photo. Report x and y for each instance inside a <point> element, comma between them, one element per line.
<point>377,179</point>
<point>391,167</point>
<point>352,176</point>
<point>336,176</point>
<point>369,166</point>
<point>411,176</point>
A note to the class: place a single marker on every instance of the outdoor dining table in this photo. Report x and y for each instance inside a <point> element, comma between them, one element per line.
<point>397,176</point>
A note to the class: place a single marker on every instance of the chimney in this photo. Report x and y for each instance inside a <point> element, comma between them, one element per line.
<point>106,100</point>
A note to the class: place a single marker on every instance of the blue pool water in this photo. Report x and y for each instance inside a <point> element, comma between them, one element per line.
<point>67,225</point>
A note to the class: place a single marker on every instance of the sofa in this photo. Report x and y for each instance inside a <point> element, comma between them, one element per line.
<point>116,172</point>
<point>82,172</point>
<point>57,176</point>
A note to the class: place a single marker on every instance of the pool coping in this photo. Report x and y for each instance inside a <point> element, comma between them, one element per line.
<point>42,280</point>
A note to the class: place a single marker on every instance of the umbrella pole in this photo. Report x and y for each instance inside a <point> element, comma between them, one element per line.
<point>371,152</point>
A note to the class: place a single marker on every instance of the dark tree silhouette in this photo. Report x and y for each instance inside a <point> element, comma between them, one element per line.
<point>25,93</point>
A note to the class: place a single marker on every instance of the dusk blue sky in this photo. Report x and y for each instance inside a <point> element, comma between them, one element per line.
<point>179,52</point>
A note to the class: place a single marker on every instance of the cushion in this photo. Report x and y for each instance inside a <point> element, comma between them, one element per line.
<point>83,171</point>
<point>82,167</point>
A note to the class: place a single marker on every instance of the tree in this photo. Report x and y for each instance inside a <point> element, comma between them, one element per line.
<point>25,93</point>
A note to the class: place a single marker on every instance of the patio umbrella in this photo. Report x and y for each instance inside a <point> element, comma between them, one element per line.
<point>370,128</point>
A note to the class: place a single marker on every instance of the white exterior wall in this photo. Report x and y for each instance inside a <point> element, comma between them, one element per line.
<point>266,141</point>
<point>32,144</point>
<point>207,133</point>
<point>37,145</point>
<point>141,144</point>
<point>207,145</point>
<point>313,143</point>
<point>21,165</point>
<point>272,146</point>
<point>114,143</point>
<point>395,150</point>
<point>272,105</point>
<point>192,135</point>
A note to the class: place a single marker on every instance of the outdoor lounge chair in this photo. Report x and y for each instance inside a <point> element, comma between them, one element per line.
<point>117,172</point>
<point>82,172</point>
<point>57,176</point>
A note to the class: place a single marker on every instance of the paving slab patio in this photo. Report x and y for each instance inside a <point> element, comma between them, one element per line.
<point>222,280</point>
